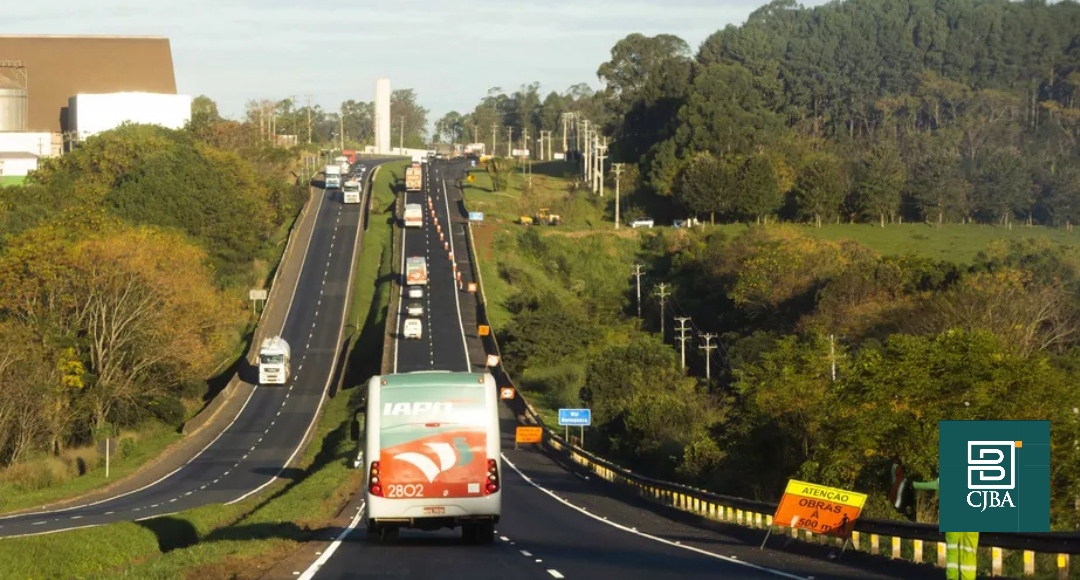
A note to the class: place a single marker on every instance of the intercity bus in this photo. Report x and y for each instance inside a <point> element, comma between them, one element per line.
<point>432,454</point>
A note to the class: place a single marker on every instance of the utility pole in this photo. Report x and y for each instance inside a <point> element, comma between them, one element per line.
<point>638,273</point>
<point>494,137</point>
<point>307,105</point>
<point>565,122</point>
<point>709,346</point>
<point>663,294</point>
<point>682,338</point>
<point>832,355</point>
<point>600,157</point>
<point>341,129</point>
<point>586,152</point>
<point>617,169</point>
<point>510,142</point>
<point>401,136</point>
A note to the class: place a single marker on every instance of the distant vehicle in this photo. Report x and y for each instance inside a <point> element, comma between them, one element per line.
<point>416,271</point>
<point>343,163</point>
<point>414,177</point>
<point>642,223</point>
<point>415,309</point>
<point>415,292</point>
<point>274,354</point>
<point>351,192</point>
<point>414,215</point>
<point>432,453</point>
<point>333,177</point>
<point>413,328</point>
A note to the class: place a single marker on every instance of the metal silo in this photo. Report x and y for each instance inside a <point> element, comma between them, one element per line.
<point>13,109</point>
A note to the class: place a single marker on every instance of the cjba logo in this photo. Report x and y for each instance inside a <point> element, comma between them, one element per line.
<point>991,484</point>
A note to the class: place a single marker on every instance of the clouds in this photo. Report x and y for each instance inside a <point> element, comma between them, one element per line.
<point>450,51</point>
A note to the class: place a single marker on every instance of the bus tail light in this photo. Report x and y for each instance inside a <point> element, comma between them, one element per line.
<point>492,485</point>
<point>374,484</point>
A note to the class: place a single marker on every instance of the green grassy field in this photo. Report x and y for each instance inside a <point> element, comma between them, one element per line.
<point>241,540</point>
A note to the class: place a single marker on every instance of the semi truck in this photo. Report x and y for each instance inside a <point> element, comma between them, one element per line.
<point>343,163</point>
<point>274,355</point>
<point>333,176</point>
<point>414,178</point>
<point>414,215</point>
<point>416,271</point>
<point>350,192</point>
<point>432,454</point>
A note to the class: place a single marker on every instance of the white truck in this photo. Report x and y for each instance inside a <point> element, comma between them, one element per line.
<point>333,176</point>
<point>414,215</point>
<point>350,192</point>
<point>343,163</point>
<point>274,355</point>
<point>416,271</point>
<point>414,178</point>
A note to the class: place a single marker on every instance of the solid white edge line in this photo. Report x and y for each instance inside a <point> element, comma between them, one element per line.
<point>333,365</point>
<point>309,573</point>
<point>650,536</point>
<point>292,297</point>
<point>453,282</point>
<point>401,284</point>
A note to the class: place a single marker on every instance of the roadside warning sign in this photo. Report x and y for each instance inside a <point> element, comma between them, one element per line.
<point>820,509</point>
<point>472,287</point>
<point>492,360</point>
<point>529,435</point>
<point>484,330</point>
<point>506,393</point>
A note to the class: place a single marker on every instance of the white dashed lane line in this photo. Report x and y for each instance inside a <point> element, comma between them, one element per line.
<point>295,378</point>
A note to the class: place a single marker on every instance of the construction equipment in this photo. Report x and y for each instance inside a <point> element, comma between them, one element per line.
<point>544,217</point>
<point>525,220</point>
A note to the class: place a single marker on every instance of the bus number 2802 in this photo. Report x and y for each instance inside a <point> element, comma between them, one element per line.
<point>405,490</point>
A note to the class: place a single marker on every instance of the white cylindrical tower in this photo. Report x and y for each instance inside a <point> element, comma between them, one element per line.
<point>382,116</point>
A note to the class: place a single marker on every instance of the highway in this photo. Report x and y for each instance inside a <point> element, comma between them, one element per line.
<point>268,431</point>
<point>442,345</point>
<point>555,524</point>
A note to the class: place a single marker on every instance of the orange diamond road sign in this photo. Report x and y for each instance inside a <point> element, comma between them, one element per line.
<point>484,330</point>
<point>472,178</point>
<point>529,435</point>
<point>506,393</point>
<point>472,287</point>
<point>492,360</point>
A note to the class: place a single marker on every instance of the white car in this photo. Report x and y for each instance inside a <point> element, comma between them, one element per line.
<point>413,328</point>
<point>415,292</point>
<point>415,309</point>
<point>642,223</point>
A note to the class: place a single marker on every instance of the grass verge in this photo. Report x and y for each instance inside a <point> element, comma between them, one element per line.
<point>244,539</point>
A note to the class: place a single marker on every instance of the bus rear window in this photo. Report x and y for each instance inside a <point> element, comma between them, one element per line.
<point>432,407</point>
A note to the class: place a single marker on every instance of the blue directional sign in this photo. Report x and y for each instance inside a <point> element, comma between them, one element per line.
<point>476,216</point>
<point>575,417</point>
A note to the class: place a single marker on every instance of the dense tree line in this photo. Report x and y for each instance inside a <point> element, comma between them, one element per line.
<point>312,124</point>
<point>124,270</point>
<point>857,110</point>
<point>833,361</point>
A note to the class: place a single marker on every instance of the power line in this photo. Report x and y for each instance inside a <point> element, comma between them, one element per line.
<point>663,294</point>
<point>682,338</point>
<point>708,337</point>
<point>638,274</point>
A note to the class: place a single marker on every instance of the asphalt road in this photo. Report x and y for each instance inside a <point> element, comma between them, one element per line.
<point>557,523</point>
<point>442,344</point>
<point>267,433</point>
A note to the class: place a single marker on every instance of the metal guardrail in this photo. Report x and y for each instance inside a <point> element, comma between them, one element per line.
<point>905,540</point>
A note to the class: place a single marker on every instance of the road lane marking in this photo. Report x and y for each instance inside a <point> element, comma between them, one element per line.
<point>650,536</point>
<point>555,573</point>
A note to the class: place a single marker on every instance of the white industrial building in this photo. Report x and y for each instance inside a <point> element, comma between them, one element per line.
<point>91,114</point>
<point>382,116</point>
<point>39,144</point>
<point>17,163</point>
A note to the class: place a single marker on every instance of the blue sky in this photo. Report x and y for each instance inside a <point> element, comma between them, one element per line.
<point>450,51</point>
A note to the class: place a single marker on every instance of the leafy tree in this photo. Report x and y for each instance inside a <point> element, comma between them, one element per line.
<point>407,116</point>
<point>821,187</point>
<point>707,184</point>
<point>881,180</point>
<point>760,187</point>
